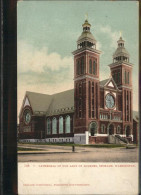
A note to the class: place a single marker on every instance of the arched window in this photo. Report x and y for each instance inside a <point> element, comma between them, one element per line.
<point>128,77</point>
<point>80,89</point>
<point>118,129</point>
<point>102,128</point>
<point>67,124</point>
<point>78,67</point>
<point>93,128</point>
<point>82,66</point>
<point>118,77</point>
<point>48,126</point>
<point>54,126</point>
<point>94,67</point>
<point>61,124</point>
<point>125,77</point>
<point>90,66</point>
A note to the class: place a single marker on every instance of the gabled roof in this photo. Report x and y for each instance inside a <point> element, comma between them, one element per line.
<point>103,82</point>
<point>39,101</point>
<point>106,82</point>
<point>62,100</point>
<point>50,103</point>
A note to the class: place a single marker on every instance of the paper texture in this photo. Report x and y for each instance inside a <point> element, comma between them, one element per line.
<point>47,36</point>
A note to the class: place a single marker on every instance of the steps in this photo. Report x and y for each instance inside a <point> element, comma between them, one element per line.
<point>117,139</point>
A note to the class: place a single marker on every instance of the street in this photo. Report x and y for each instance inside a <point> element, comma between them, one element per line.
<point>51,153</point>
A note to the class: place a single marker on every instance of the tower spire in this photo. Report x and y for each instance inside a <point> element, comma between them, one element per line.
<point>86,16</point>
<point>120,33</point>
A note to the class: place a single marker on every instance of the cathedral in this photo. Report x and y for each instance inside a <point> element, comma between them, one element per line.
<point>91,112</point>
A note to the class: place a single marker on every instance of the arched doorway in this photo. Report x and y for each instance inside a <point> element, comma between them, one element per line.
<point>111,129</point>
<point>93,128</point>
<point>128,131</point>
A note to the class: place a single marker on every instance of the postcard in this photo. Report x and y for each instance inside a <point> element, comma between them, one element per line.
<point>78,97</point>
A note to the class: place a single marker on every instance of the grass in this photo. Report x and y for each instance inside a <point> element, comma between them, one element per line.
<point>78,145</point>
<point>28,149</point>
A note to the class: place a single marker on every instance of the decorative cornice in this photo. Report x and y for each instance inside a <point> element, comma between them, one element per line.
<point>124,86</point>
<point>79,51</point>
<point>120,64</point>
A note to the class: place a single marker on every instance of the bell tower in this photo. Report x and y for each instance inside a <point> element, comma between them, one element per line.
<point>121,71</point>
<point>86,83</point>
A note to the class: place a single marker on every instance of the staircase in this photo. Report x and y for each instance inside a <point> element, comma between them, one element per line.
<point>117,139</point>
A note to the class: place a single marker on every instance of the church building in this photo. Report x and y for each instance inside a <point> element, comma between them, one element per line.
<point>93,110</point>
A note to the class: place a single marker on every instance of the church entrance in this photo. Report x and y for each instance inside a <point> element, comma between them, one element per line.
<point>93,128</point>
<point>128,131</point>
<point>111,129</point>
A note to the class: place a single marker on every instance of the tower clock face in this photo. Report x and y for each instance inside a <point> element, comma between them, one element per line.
<point>110,101</point>
<point>27,117</point>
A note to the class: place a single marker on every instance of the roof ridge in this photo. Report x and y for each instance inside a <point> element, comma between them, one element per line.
<point>37,93</point>
<point>62,92</point>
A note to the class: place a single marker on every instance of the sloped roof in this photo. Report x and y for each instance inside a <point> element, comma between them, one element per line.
<point>61,100</point>
<point>103,82</point>
<point>49,103</point>
<point>135,114</point>
<point>121,51</point>
<point>38,101</point>
<point>86,35</point>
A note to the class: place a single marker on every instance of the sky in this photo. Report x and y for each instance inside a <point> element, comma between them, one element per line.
<point>47,32</point>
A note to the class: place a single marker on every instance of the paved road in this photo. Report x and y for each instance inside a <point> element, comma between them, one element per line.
<point>81,154</point>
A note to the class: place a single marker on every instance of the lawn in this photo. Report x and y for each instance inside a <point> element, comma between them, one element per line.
<point>28,149</point>
<point>78,145</point>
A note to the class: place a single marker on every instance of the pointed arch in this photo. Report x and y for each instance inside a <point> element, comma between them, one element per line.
<point>54,126</point>
<point>78,68</point>
<point>94,67</point>
<point>48,126</point>
<point>82,65</point>
<point>125,79</point>
<point>67,124</point>
<point>90,66</point>
<point>61,129</point>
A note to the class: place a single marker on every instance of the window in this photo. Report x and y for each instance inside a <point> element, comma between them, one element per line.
<point>94,68</point>
<point>115,77</point>
<point>125,77</point>
<point>92,87</point>
<point>128,77</point>
<point>67,124</point>
<point>90,66</point>
<point>89,99</point>
<point>61,124</point>
<point>82,65</point>
<point>80,89</point>
<point>118,129</point>
<point>92,113</point>
<point>48,126</point>
<point>93,128</point>
<point>102,128</point>
<point>78,68</point>
<point>54,126</point>
<point>118,77</point>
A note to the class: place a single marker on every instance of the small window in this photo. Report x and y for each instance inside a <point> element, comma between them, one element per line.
<point>118,129</point>
<point>125,80</point>
<point>67,124</point>
<point>128,77</point>
<point>102,128</point>
<point>94,67</point>
<point>82,65</point>
<point>93,114</point>
<point>90,66</point>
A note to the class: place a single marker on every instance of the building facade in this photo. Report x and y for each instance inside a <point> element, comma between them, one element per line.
<point>93,110</point>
